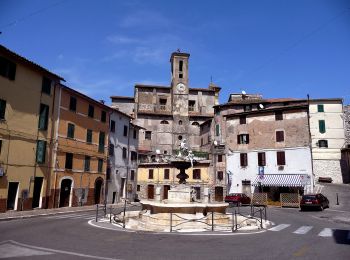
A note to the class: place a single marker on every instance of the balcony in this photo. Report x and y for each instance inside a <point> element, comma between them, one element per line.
<point>151,108</point>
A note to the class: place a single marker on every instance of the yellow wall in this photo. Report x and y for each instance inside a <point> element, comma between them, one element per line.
<point>19,131</point>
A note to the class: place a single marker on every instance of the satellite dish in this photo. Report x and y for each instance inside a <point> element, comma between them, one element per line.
<point>243,92</point>
<point>215,142</point>
<point>261,106</point>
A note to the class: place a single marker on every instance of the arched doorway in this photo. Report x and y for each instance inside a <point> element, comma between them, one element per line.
<point>98,190</point>
<point>66,186</point>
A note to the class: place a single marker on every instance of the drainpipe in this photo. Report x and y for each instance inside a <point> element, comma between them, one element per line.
<point>127,174</point>
<point>56,147</point>
<point>310,144</point>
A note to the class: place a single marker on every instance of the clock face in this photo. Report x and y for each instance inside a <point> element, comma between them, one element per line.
<point>181,87</point>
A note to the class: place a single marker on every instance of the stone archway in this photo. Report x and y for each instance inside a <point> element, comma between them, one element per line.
<point>98,190</point>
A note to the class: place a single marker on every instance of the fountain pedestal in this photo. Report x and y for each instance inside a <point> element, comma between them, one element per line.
<point>179,194</point>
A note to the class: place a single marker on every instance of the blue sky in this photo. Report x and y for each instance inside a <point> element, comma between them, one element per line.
<point>276,48</point>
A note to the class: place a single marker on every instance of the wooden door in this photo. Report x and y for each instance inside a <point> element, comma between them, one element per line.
<point>150,192</point>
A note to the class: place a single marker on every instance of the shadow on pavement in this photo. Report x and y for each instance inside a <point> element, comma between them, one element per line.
<point>341,236</point>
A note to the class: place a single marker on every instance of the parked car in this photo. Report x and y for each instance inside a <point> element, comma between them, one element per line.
<point>318,201</point>
<point>237,198</point>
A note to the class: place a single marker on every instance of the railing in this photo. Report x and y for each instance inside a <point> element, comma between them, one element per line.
<point>113,212</point>
<point>154,108</point>
<point>290,200</point>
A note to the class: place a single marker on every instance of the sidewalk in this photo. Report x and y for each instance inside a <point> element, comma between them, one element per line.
<point>13,214</point>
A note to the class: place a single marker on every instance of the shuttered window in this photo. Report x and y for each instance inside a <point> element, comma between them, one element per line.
<point>101,142</point>
<point>166,174</point>
<point>281,158</point>
<point>217,132</point>
<point>40,151</point>
<point>322,126</point>
<point>112,126</point>
<point>69,161</point>
<point>103,116</point>
<point>196,174</point>
<point>87,163</point>
<point>243,139</point>
<point>150,174</point>
<point>100,165</point>
<point>242,120</point>
<point>244,159</point>
<point>124,153</point>
<point>278,115</point>
<point>46,86</point>
<point>261,159</point>
<point>71,130</point>
<point>43,117</point>
<point>89,136</point>
<point>91,111</point>
<point>73,104</point>
<point>279,136</point>
<point>2,109</point>
<point>320,108</point>
<point>7,68</point>
<point>220,175</point>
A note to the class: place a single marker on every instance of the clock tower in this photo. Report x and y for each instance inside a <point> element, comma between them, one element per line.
<point>180,91</point>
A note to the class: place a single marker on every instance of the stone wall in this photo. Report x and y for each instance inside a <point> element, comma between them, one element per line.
<point>328,168</point>
<point>347,124</point>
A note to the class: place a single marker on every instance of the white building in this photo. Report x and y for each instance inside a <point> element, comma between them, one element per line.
<point>123,157</point>
<point>328,137</point>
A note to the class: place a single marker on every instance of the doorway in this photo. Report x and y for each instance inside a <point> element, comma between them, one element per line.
<point>166,188</point>
<point>98,190</point>
<point>219,193</point>
<point>12,195</point>
<point>66,186</point>
<point>38,182</point>
<point>150,192</point>
<point>246,187</point>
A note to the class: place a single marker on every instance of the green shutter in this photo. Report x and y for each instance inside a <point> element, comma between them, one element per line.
<point>322,126</point>
<point>89,136</point>
<point>2,108</point>
<point>40,151</point>
<point>320,108</point>
<point>100,165</point>
<point>101,142</point>
<point>70,132</point>
<point>43,117</point>
<point>87,163</point>
<point>217,130</point>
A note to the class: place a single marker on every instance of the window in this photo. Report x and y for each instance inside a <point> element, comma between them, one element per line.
<point>2,109</point>
<point>70,131</point>
<point>191,105</point>
<point>132,175</point>
<point>7,68</point>
<point>40,151</point>
<point>323,143</point>
<point>91,111</point>
<point>244,159</point>
<point>89,136</point>
<point>162,103</point>
<point>196,174</point>
<point>124,153</point>
<point>219,157</point>
<point>220,175</point>
<point>243,139</point>
<point>278,115</point>
<point>322,126</point>
<point>135,134</point>
<point>217,130</point>
<point>111,149</point>
<point>180,122</point>
<point>0,145</point>
<point>100,165</point>
<point>46,86</point>
<point>195,124</point>
<point>179,137</point>
<point>133,156</point>
<point>180,76</point>
<point>242,120</point>
<point>69,161</point>
<point>103,116</point>
<point>87,163</point>
<point>320,108</point>
<point>164,122</point>
<point>112,126</point>
<point>101,142</point>
<point>150,174</point>
<point>181,63</point>
<point>166,174</point>
<point>279,136</point>
<point>73,104</point>
<point>138,188</point>
<point>148,135</point>
<point>247,108</point>
<point>125,132</point>
<point>43,117</point>
<point>281,158</point>
<point>261,159</point>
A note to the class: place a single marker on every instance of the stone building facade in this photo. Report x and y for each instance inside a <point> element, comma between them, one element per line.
<point>328,137</point>
<point>347,125</point>
<point>170,115</point>
<point>267,144</point>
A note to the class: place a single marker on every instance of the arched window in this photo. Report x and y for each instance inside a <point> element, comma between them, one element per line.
<point>195,124</point>
<point>180,122</point>
<point>164,122</point>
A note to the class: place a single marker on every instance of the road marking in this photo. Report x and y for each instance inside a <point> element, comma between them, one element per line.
<point>301,251</point>
<point>326,232</point>
<point>303,230</point>
<point>88,216</point>
<point>279,227</point>
<point>335,210</point>
<point>58,251</point>
<point>8,250</point>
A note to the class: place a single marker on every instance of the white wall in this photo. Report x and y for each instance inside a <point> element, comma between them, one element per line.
<point>298,161</point>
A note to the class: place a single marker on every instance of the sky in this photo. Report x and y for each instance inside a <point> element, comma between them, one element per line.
<point>277,48</point>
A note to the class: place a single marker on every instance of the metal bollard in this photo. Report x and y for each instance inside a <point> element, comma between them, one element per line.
<point>261,224</point>
<point>110,214</point>
<point>171,222</point>
<point>337,199</point>
<point>233,223</point>
<point>96,213</point>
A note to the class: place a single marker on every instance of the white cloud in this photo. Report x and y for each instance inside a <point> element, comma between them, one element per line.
<point>144,18</point>
<point>121,39</point>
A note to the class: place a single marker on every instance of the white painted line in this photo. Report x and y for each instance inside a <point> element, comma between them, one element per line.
<point>279,227</point>
<point>303,230</point>
<point>60,251</point>
<point>337,210</point>
<point>326,232</point>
